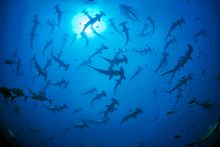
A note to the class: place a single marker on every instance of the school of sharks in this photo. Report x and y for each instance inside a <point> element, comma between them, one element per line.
<point>126,75</point>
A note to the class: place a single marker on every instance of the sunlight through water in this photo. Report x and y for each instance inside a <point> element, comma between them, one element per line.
<point>81,19</point>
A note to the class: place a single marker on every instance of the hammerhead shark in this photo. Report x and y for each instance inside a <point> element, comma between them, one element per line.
<point>47,45</point>
<point>137,72</point>
<point>84,63</point>
<point>183,81</point>
<point>163,61</point>
<point>90,91</point>
<point>125,31</point>
<point>145,31</point>
<point>116,60</point>
<point>98,97</point>
<point>12,93</point>
<point>36,23</point>
<point>147,49</point>
<point>58,13</point>
<point>129,12</point>
<point>112,24</point>
<point>63,83</point>
<point>57,108</point>
<point>109,72</point>
<point>65,37</point>
<point>40,96</point>
<point>212,130</point>
<point>60,62</point>
<point>85,37</point>
<point>111,107</point>
<point>51,24</point>
<point>82,125</point>
<point>41,72</point>
<point>206,105</point>
<point>92,20</point>
<point>168,43</point>
<point>202,32</point>
<point>99,50</point>
<point>77,110</point>
<point>174,25</point>
<point>181,62</point>
<point>132,115</point>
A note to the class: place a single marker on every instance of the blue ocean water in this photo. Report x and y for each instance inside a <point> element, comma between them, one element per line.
<point>117,73</point>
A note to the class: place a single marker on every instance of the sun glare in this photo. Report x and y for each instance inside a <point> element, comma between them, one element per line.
<point>80,20</point>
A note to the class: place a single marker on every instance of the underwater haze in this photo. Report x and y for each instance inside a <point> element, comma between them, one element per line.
<point>118,73</point>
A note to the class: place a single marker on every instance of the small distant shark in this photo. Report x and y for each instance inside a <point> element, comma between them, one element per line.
<point>116,60</point>
<point>181,62</point>
<point>40,96</point>
<point>111,107</point>
<point>59,14</point>
<point>10,62</point>
<point>125,31</point>
<point>212,130</point>
<point>57,108</point>
<point>198,34</point>
<point>74,37</point>
<point>206,105</point>
<point>48,63</point>
<point>133,114</point>
<point>84,63</point>
<point>92,20</point>
<point>144,51</point>
<point>112,24</point>
<point>60,62</point>
<point>19,71</point>
<point>99,50</point>
<point>174,25</point>
<point>98,97</point>
<point>36,23</point>
<point>63,83</point>
<point>41,72</point>
<point>51,25</point>
<point>82,125</point>
<point>96,33</point>
<point>183,81</point>
<point>90,91</point>
<point>144,32</point>
<point>168,43</point>
<point>109,72</point>
<point>47,45</point>
<point>129,12</point>
<point>137,72</point>
<point>84,36</point>
<point>18,64</point>
<point>65,37</point>
<point>77,110</point>
<point>163,61</point>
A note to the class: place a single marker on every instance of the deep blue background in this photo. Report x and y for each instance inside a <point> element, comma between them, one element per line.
<point>152,128</point>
